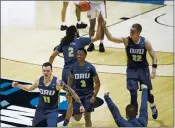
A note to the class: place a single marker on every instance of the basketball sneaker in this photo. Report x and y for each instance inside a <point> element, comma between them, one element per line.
<point>91,47</point>
<point>101,48</point>
<point>82,25</point>
<point>154,112</point>
<point>63,27</point>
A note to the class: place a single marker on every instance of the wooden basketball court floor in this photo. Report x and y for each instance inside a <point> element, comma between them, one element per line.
<point>30,31</point>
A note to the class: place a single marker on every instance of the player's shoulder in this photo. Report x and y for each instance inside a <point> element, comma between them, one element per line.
<point>89,64</point>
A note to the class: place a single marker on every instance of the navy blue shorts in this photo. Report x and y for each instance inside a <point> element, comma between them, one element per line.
<point>65,74</point>
<point>45,118</point>
<point>86,103</point>
<point>141,75</point>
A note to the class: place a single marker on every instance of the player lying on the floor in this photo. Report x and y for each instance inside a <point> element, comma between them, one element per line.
<point>131,113</point>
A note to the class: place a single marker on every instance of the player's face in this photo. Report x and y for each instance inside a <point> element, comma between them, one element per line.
<point>47,72</point>
<point>81,56</point>
<point>134,33</point>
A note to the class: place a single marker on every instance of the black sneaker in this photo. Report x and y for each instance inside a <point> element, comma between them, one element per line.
<point>63,27</point>
<point>91,47</point>
<point>154,112</point>
<point>82,25</point>
<point>101,48</point>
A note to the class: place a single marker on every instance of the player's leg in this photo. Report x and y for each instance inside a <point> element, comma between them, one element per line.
<point>145,79</point>
<point>63,16</point>
<point>76,110</point>
<point>78,15</point>
<point>89,107</point>
<point>132,85</point>
<point>91,33</point>
<point>92,15</point>
<point>101,9</point>
<point>39,119</point>
<point>65,75</point>
<point>52,119</point>
<point>69,110</point>
<point>87,118</point>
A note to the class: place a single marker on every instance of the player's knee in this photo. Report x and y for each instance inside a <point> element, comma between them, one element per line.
<point>77,117</point>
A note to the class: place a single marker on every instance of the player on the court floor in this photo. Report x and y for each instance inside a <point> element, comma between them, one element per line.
<point>46,113</point>
<point>79,24</point>
<point>69,46</point>
<point>96,7</point>
<point>131,112</point>
<point>137,65</point>
<point>82,77</point>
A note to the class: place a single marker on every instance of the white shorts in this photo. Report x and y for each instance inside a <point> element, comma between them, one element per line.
<point>95,10</point>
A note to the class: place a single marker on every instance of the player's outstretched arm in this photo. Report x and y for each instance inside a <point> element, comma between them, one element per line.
<point>99,31</point>
<point>112,38</point>
<point>143,117</point>
<point>53,55</point>
<point>120,121</point>
<point>153,56</point>
<point>26,87</point>
<point>69,90</point>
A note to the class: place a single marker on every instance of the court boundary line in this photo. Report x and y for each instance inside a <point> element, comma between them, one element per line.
<point>62,68</point>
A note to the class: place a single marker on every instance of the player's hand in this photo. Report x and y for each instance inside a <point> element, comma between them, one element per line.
<point>153,73</point>
<point>82,110</point>
<point>93,99</point>
<point>14,84</point>
<point>106,93</point>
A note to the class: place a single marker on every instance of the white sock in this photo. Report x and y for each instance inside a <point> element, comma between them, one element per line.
<point>78,22</point>
<point>64,23</point>
<point>152,105</point>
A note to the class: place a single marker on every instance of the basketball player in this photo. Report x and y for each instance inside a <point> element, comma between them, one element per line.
<point>137,65</point>
<point>82,77</point>
<point>49,87</point>
<point>69,46</point>
<point>96,7</point>
<point>131,113</point>
<point>79,24</point>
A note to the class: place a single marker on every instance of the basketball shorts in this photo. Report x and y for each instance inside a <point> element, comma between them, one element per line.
<point>43,118</point>
<point>139,75</point>
<point>65,74</point>
<point>95,10</point>
<point>89,107</point>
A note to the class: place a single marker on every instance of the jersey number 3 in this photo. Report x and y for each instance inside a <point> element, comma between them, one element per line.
<point>137,57</point>
<point>83,83</point>
<point>70,52</point>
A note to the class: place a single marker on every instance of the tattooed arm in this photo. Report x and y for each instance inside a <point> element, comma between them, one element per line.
<point>62,85</point>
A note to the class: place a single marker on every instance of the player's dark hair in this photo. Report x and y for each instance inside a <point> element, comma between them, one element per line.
<point>131,111</point>
<point>82,49</point>
<point>70,35</point>
<point>138,27</point>
<point>47,64</point>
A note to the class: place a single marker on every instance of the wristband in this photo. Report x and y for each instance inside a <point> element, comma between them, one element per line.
<point>154,65</point>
